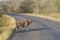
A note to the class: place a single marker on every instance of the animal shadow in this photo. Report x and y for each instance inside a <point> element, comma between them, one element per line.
<point>29,30</point>
<point>36,29</point>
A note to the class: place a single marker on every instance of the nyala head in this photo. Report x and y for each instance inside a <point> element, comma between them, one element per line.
<point>29,20</point>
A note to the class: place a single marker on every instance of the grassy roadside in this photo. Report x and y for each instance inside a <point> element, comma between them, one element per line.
<point>7,24</point>
<point>51,16</point>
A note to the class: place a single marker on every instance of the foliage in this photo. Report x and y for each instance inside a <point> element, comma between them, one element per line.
<point>58,5</point>
<point>27,6</point>
<point>39,6</point>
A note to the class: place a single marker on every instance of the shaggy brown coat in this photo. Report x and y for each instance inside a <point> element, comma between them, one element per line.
<point>23,24</point>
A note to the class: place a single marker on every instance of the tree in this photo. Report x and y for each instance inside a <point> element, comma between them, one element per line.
<point>44,6</point>
<point>57,5</point>
<point>27,6</point>
<point>14,5</point>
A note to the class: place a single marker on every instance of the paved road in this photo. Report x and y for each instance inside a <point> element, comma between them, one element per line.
<point>40,29</point>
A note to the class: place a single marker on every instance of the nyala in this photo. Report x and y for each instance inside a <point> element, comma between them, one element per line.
<point>23,24</point>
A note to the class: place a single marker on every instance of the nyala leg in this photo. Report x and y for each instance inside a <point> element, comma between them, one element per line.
<point>26,28</point>
<point>20,28</point>
<point>17,29</point>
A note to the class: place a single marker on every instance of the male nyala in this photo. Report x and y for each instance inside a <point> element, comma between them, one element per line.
<point>23,24</point>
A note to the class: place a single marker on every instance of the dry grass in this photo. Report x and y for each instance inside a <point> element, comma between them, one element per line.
<point>51,16</point>
<point>7,24</point>
<point>55,15</point>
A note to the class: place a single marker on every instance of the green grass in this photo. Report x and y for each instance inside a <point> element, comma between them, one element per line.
<point>7,25</point>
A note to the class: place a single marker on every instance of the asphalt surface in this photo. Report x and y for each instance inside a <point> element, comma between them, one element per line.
<point>39,29</point>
